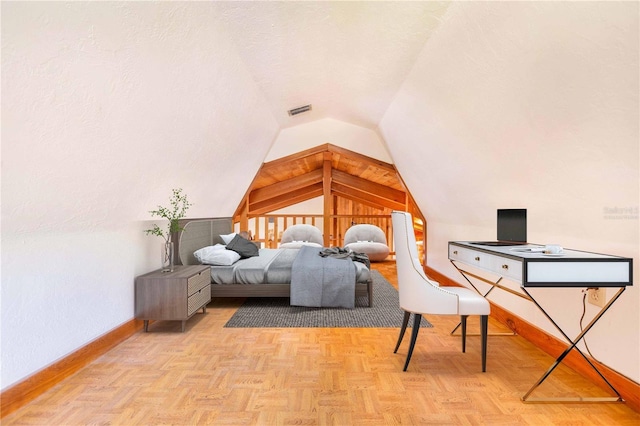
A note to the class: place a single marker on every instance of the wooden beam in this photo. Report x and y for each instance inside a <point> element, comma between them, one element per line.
<point>294,157</point>
<point>285,200</point>
<point>310,159</point>
<point>245,197</point>
<point>244,221</point>
<point>365,197</point>
<point>285,187</point>
<point>369,187</point>
<point>327,202</point>
<point>361,158</point>
<point>359,201</point>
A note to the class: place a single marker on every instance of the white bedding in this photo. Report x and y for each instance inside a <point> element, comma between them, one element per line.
<point>272,266</point>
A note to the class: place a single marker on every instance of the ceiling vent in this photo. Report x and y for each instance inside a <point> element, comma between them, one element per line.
<point>299,110</point>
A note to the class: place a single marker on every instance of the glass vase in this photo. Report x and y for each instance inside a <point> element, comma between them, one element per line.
<point>167,256</point>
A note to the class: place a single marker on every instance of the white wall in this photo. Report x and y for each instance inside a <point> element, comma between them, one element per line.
<point>355,138</point>
<point>530,105</point>
<point>104,112</point>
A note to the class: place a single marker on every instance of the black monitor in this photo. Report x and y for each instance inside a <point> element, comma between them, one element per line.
<point>512,225</point>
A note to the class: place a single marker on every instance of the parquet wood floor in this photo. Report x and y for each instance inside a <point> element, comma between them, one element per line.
<point>213,375</point>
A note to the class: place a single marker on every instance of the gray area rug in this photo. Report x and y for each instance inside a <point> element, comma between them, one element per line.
<point>275,312</point>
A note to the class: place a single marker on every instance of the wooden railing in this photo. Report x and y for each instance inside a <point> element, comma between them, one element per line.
<point>267,229</point>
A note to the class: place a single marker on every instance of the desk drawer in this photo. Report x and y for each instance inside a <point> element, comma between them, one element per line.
<point>508,268</point>
<point>471,257</point>
<point>462,254</point>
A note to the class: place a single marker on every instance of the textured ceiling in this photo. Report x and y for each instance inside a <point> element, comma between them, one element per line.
<point>347,59</point>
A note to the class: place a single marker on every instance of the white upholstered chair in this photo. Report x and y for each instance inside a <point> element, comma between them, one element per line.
<point>419,295</point>
<point>367,239</point>
<point>296,236</point>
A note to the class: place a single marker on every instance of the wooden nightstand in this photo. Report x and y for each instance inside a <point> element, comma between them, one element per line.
<point>173,295</point>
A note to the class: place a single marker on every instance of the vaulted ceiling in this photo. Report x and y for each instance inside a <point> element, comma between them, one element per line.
<point>347,59</point>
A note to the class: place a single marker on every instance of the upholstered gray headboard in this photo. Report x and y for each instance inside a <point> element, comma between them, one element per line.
<point>198,233</point>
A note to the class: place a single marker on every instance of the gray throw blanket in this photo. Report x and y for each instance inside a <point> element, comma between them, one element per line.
<point>343,253</point>
<point>322,281</point>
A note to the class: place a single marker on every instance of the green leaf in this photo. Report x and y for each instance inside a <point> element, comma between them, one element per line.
<point>179,206</point>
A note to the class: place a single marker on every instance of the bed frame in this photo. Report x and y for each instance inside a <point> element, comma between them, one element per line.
<point>198,233</point>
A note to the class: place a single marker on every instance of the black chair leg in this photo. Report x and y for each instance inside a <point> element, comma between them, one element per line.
<point>463,321</point>
<point>484,326</point>
<point>405,321</point>
<point>417,318</point>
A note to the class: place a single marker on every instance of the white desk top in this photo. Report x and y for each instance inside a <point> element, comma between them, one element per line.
<point>534,251</point>
<point>571,268</point>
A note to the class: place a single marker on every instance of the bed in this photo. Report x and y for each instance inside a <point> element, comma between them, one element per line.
<point>247,277</point>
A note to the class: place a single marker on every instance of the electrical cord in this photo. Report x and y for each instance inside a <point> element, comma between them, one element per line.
<point>584,311</point>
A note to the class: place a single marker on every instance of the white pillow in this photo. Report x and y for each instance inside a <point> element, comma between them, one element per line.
<point>213,255</point>
<point>228,237</point>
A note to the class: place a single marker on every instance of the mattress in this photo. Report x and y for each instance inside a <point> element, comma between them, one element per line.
<point>272,266</point>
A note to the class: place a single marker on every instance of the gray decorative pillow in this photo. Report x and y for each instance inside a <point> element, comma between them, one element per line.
<point>243,247</point>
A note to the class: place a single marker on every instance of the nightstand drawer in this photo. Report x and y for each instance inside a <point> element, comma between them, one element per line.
<point>197,282</point>
<point>198,300</point>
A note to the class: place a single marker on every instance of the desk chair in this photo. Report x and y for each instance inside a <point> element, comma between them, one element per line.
<point>419,295</point>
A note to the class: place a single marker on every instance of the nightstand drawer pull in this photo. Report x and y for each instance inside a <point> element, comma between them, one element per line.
<point>477,258</point>
<point>505,266</point>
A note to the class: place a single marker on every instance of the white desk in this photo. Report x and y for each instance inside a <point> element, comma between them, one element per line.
<point>528,266</point>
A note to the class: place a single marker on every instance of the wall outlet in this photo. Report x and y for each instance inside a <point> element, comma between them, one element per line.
<point>597,296</point>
